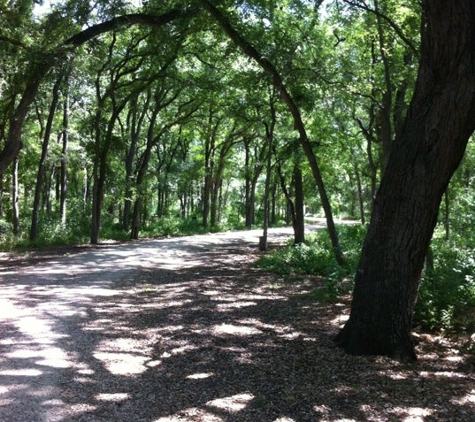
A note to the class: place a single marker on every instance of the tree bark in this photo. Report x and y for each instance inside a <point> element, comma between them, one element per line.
<point>15,198</point>
<point>270,140</point>
<point>299,224</point>
<point>64,154</point>
<point>423,158</point>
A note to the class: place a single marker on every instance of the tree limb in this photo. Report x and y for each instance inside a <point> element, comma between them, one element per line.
<point>391,23</point>
<point>38,70</point>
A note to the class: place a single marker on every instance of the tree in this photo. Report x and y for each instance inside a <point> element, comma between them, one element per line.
<point>42,164</point>
<point>294,110</point>
<point>422,160</point>
<point>41,62</point>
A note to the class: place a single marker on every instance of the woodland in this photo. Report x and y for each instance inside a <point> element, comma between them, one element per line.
<point>126,119</point>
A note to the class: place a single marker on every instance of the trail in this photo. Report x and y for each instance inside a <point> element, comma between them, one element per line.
<point>187,330</point>
<point>38,303</point>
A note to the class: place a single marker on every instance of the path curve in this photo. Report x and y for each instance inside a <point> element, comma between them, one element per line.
<point>38,302</point>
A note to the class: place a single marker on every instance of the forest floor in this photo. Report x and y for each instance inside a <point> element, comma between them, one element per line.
<point>187,329</point>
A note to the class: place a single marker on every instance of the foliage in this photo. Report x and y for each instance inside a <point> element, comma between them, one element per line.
<point>315,257</point>
<point>447,292</point>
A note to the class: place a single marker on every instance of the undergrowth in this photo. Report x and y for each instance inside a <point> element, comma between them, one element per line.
<point>447,292</point>
<point>316,257</point>
<point>446,300</point>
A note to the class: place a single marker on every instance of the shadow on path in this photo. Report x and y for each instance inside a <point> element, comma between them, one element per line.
<point>186,330</point>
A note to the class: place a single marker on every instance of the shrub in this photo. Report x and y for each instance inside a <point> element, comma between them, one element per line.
<point>447,293</point>
<point>317,257</point>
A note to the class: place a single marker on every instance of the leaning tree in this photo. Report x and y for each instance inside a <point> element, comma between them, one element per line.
<point>423,158</point>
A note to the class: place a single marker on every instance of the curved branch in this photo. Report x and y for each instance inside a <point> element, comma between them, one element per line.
<point>126,21</point>
<point>288,100</point>
<point>391,23</point>
<point>39,69</point>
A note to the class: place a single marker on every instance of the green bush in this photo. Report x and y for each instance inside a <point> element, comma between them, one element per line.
<point>447,293</point>
<point>5,227</point>
<point>316,257</point>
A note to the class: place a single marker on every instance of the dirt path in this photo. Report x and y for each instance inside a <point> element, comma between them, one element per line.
<point>186,330</point>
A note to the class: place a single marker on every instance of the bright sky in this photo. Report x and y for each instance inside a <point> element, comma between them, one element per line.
<point>46,7</point>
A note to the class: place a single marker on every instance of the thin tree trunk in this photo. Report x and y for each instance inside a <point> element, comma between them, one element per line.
<point>360,191</point>
<point>15,198</point>
<point>447,214</point>
<point>64,155</point>
<point>42,164</point>
<point>299,227</point>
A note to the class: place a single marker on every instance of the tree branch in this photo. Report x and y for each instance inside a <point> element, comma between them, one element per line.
<point>40,68</point>
<point>125,21</point>
<point>391,23</point>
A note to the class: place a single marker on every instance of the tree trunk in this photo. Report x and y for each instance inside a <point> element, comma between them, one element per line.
<point>359,187</point>
<point>41,168</point>
<point>423,159</point>
<point>299,224</point>
<point>15,198</point>
<point>1,196</point>
<point>270,140</point>
<point>64,155</point>
<point>273,206</point>
<point>134,232</point>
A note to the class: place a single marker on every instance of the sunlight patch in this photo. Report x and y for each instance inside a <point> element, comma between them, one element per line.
<point>255,296</point>
<point>467,399</point>
<point>232,403</point>
<point>112,397</point>
<point>212,293</point>
<point>22,372</point>
<point>200,376</point>
<point>234,305</point>
<point>340,319</point>
<point>323,409</point>
<point>191,414</point>
<point>56,358</point>
<point>412,414</point>
<point>154,363</point>
<point>235,330</point>
<point>122,363</point>
<point>393,375</point>
<point>183,349</point>
<point>60,412</point>
<point>454,358</point>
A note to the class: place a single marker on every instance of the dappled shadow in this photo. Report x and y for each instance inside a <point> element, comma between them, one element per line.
<point>189,331</point>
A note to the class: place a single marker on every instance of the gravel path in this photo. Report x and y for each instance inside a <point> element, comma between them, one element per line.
<point>186,330</point>
<point>53,319</point>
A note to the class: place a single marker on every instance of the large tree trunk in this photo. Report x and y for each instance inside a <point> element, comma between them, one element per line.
<point>423,158</point>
